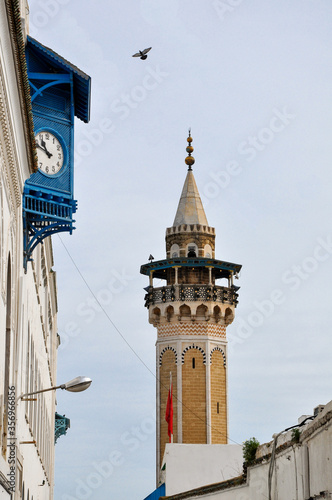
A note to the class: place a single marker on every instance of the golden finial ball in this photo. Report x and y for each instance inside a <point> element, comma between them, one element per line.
<point>190,160</point>
<point>189,149</point>
<point>190,139</point>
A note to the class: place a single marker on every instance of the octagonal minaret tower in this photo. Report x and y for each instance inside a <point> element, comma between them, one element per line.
<point>191,312</point>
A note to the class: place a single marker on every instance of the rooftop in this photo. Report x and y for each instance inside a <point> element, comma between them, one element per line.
<point>190,209</point>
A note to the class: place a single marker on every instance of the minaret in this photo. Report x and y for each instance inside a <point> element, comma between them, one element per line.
<point>191,313</point>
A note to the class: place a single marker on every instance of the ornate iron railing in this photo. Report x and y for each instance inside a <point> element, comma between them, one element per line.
<point>62,424</point>
<point>188,293</point>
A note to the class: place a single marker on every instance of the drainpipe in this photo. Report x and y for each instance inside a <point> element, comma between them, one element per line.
<point>273,458</point>
<point>306,472</point>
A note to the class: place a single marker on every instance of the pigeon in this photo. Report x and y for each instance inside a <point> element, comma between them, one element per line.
<point>142,53</point>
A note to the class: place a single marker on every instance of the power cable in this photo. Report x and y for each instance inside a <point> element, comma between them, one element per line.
<point>128,344</point>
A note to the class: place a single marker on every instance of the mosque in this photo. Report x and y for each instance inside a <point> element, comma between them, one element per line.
<point>191,312</point>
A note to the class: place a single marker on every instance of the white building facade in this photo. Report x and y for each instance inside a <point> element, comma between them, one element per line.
<point>300,468</point>
<point>28,301</point>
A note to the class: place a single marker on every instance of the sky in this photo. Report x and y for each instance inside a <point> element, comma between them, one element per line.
<point>253,80</point>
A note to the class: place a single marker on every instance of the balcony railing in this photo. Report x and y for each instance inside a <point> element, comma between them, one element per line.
<point>188,293</point>
<point>40,206</point>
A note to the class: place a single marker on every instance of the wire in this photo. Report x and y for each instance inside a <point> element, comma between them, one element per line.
<point>271,466</point>
<point>128,344</point>
<point>103,309</point>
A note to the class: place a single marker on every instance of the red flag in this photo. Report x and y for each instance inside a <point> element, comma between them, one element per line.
<point>169,412</point>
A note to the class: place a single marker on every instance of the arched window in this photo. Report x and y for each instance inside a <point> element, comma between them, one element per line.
<point>229,316</point>
<point>208,251</point>
<point>156,314</point>
<point>217,313</point>
<point>185,311</point>
<point>169,313</point>
<point>192,250</point>
<point>175,251</point>
<point>201,311</point>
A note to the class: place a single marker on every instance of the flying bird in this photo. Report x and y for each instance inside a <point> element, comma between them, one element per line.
<point>142,53</point>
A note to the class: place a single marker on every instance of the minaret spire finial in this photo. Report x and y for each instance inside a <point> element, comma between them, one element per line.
<point>190,160</point>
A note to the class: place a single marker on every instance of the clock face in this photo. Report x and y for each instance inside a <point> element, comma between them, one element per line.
<point>50,152</point>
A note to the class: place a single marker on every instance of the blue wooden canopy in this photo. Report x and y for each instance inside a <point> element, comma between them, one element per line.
<point>59,91</point>
<point>222,268</point>
<point>82,82</point>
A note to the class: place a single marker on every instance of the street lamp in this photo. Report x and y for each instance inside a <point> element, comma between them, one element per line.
<point>78,384</point>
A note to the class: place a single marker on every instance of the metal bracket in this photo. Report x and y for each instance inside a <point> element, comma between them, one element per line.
<point>44,215</point>
<point>62,424</point>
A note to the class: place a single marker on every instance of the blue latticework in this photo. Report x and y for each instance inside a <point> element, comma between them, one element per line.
<point>44,213</point>
<point>62,424</point>
<point>59,92</point>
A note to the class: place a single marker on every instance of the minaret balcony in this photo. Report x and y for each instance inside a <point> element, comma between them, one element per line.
<point>190,293</point>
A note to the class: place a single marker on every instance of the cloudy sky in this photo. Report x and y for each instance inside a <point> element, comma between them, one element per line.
<point>253,80</point>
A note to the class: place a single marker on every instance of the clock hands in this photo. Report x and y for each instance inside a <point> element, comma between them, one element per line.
<point>52,159</point>
<point>43,148</point>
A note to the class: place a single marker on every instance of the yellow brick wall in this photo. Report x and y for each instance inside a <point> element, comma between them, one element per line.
<point>168,365</point>
<point>218,395</point>
<point>193,398</point>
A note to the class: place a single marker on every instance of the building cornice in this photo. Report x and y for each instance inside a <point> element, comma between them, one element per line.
<point>17,39</point>
<point>10,179</point>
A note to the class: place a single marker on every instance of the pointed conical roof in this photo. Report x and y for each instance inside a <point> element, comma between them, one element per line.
<point>190,209</point>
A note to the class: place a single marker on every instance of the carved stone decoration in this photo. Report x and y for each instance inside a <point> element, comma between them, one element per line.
<point>7,148</point>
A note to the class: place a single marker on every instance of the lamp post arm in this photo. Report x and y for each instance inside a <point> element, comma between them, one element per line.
<point>78,384</point>
<point>62,386</point>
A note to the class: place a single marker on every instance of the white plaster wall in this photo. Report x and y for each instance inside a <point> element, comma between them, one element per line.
<point>320,457</point>
<point>30,294</point>
<point>294,477</point>
<point>189,466</point>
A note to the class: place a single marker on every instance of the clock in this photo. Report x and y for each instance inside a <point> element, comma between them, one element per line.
<point>50,151</point>
<point>59,91</point>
